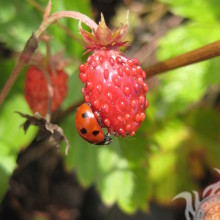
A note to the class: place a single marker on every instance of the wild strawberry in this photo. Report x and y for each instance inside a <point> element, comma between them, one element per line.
<point>114,84</point>
<point>36,90</point>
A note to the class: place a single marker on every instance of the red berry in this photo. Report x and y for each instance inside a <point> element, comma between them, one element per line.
<point>36,91</point>
<point>114,84</point>
<point>115,88</point>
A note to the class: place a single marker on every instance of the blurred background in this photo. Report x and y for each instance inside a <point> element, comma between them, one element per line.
<point>176,148</point>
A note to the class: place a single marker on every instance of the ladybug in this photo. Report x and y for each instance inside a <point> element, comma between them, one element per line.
<point>89,128</point>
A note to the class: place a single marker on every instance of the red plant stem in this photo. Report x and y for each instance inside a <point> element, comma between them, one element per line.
<point>49,83</point>
<point>66,14</point>
<point>23,60</point>
<point>203,53</point>
<point>14,75</point>
<point>50,95</point>
<point>61,26</point>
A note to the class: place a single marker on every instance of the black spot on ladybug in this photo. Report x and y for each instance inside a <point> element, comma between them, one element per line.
<point>95,133</point>
<point>85,115</point>
<point>83,131</point>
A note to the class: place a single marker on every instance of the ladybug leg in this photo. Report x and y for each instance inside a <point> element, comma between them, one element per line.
<point>107,140</point>
<point>100,120</point>
<point>115,133</point>
<point>89,104</point>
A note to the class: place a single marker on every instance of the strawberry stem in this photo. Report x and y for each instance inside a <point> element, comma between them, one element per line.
<point>201,54</point>
<point>66,14</point>
<point>22,61</point>
<point>61,26</point>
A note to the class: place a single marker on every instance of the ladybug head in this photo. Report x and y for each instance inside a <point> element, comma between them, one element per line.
<point>107,140</point>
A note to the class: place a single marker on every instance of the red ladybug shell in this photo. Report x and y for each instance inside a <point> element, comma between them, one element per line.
<point>88,127</point>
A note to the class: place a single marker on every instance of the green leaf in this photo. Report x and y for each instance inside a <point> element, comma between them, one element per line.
<point>162,170</point>
<point>211,76</point>
<point>4,178</point>
<point>120,182</point>
<point>74,94</point>
<point>169,174</point>
<point>116,182</point>
<point>171,135</point>
<point>7,160</point>
<point>205,125</point>
<point>187,37</point>
<point>202,10</point>
<point>82,155</point>
<point>179,89</point>
<point>182,87</point>
<point>62,40</point>
<point>11,132</point>
<point>6,69</point>
<point>15,27</point>
<point>8,13</point>
<point>7,165</point>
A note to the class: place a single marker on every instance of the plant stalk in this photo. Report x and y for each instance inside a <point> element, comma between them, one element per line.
<point>22,61</point>
<point>66,14</point>
<point>201,54</point>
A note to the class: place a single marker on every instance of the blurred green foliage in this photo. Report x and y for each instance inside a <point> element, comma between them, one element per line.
<point>157,163</point>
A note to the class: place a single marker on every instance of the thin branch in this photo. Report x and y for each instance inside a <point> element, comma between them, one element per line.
<point>23,60</point>
<point>201,54</point>
<point>14,75</point>
<point>49,82</point>
<point>60,25</point>
<point>66,14</point>
<point>36,5</point>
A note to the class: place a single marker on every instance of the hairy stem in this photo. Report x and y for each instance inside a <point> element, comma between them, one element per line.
<point>22,61</point>
<point>201,54</point>
<point>50,95</point>
<point>66,14</point>
<point>61,26</point>
<point>14,75</point>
